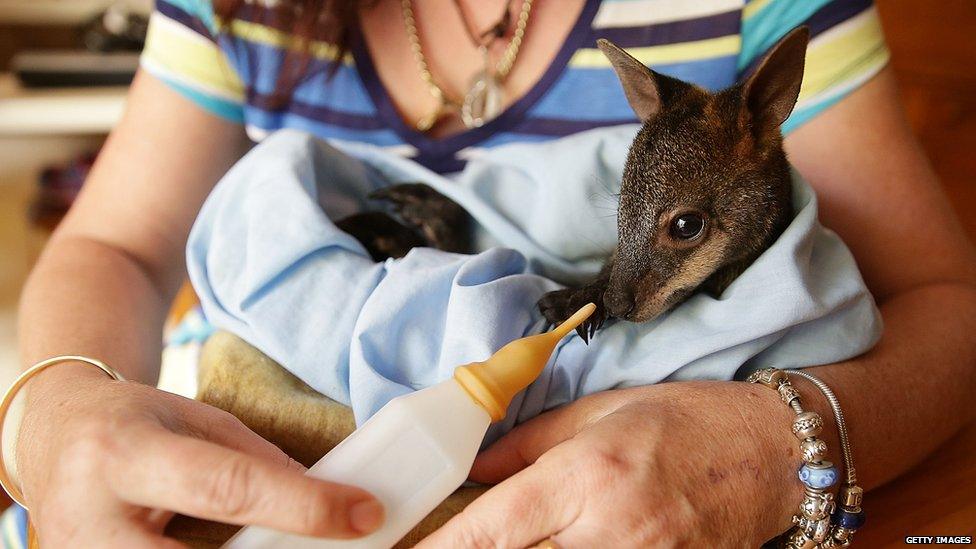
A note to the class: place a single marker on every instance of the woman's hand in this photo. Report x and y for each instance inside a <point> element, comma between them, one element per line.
<point>703,464</point>
<point>106,464</point>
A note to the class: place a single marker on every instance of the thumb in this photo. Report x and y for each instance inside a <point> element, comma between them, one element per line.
<point>523,445</point>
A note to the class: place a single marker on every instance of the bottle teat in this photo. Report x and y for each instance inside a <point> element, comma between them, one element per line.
<point>494,382</point>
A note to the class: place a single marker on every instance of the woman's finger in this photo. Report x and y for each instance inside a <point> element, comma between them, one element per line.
<point>520,512</point>
<point>204,480</point>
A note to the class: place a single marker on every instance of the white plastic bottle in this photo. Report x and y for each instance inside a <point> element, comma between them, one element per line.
<point>419,448</point>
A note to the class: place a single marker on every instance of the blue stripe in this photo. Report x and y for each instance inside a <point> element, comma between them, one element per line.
<point>189,14</point>
<point>260,66</point>
<point>271,121</point>
<point>835,13</point>
<point>584,94</point>
<point>554,127</point>
<point>441,164</point>
<point>21,516</point>
<point>771,23</point>
<point>220,107</point>
<point>595,94</point>
<point>513,137</point>
<point>317,113</point>
<point>342,91</point>
<point>824,19</point>
<point>673,32</point>
<point>798,118</point>
<point>712,74</point>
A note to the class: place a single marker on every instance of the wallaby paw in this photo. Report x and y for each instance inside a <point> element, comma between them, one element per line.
<point>381,235</point>
<point>559,305</point>
<point>442,221</point>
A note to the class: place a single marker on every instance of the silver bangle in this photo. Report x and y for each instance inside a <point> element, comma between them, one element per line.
<point>9,484</point>
<point>845,444</point>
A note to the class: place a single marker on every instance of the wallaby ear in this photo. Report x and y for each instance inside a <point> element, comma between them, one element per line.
<point>770,93</point>
<point>638,81</point>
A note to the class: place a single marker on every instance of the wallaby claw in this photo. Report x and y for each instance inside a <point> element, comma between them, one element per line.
<point>559,305</point>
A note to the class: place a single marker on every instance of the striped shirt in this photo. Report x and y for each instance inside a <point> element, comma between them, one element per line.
<point>230,68</point>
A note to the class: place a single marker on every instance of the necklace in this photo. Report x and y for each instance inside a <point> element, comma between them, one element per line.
<point>485,96</point>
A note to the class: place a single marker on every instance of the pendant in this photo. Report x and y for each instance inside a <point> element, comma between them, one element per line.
<point>483,101</point>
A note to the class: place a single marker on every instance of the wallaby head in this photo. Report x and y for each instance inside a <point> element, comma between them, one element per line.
<point>706,188</point>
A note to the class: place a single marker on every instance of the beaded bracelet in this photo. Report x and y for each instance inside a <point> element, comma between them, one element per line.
<point>848,516</point>
<point>820,524</point>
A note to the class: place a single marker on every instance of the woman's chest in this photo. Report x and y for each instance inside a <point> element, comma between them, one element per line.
<point>560,83</point>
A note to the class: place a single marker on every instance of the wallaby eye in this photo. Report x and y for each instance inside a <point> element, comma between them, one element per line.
<point>687,226</point>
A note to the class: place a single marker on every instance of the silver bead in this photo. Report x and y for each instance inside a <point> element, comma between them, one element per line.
<point>827,544</point>
<point>842,536</point>
<point>817,530</point>
<point>787,393</point>
<point>770,377</point>
<point>816,505</point>
<point>799,540</point>
<point>851,496</point>
<point>807,425</point>
<point>813,449</point>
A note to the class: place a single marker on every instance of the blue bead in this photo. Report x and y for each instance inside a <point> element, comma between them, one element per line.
<point>818,477</point>
<point>849,519</point>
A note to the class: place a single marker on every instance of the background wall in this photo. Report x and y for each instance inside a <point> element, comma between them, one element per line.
<point>933,46</point>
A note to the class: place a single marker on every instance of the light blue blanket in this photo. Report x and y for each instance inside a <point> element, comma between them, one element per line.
<point>270,266</point>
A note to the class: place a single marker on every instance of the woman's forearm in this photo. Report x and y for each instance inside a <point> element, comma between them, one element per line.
<point>89,298</point>
<point>103,283</point>
<point>913,390</point>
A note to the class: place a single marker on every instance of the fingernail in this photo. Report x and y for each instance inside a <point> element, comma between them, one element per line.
<point>366,516</point>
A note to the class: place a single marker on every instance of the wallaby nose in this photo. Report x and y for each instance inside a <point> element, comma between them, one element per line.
<point>619,303</point>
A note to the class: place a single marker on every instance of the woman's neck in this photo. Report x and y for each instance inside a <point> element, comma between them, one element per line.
<point>453,59</point>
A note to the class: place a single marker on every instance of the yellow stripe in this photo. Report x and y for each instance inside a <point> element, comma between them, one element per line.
<point>666,54</point>
<point>753,7</point>
<point>843,57</point>
<point>191,58</point>
<point>865,71</point>
<point>262,34</point>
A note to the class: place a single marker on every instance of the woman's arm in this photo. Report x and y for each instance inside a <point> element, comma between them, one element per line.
<point>714,464</point>
<point>109,462</point>
<point>877,190</point>
<point>104,282</point>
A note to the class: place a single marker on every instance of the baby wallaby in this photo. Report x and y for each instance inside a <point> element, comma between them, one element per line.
<point>706,189</point>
